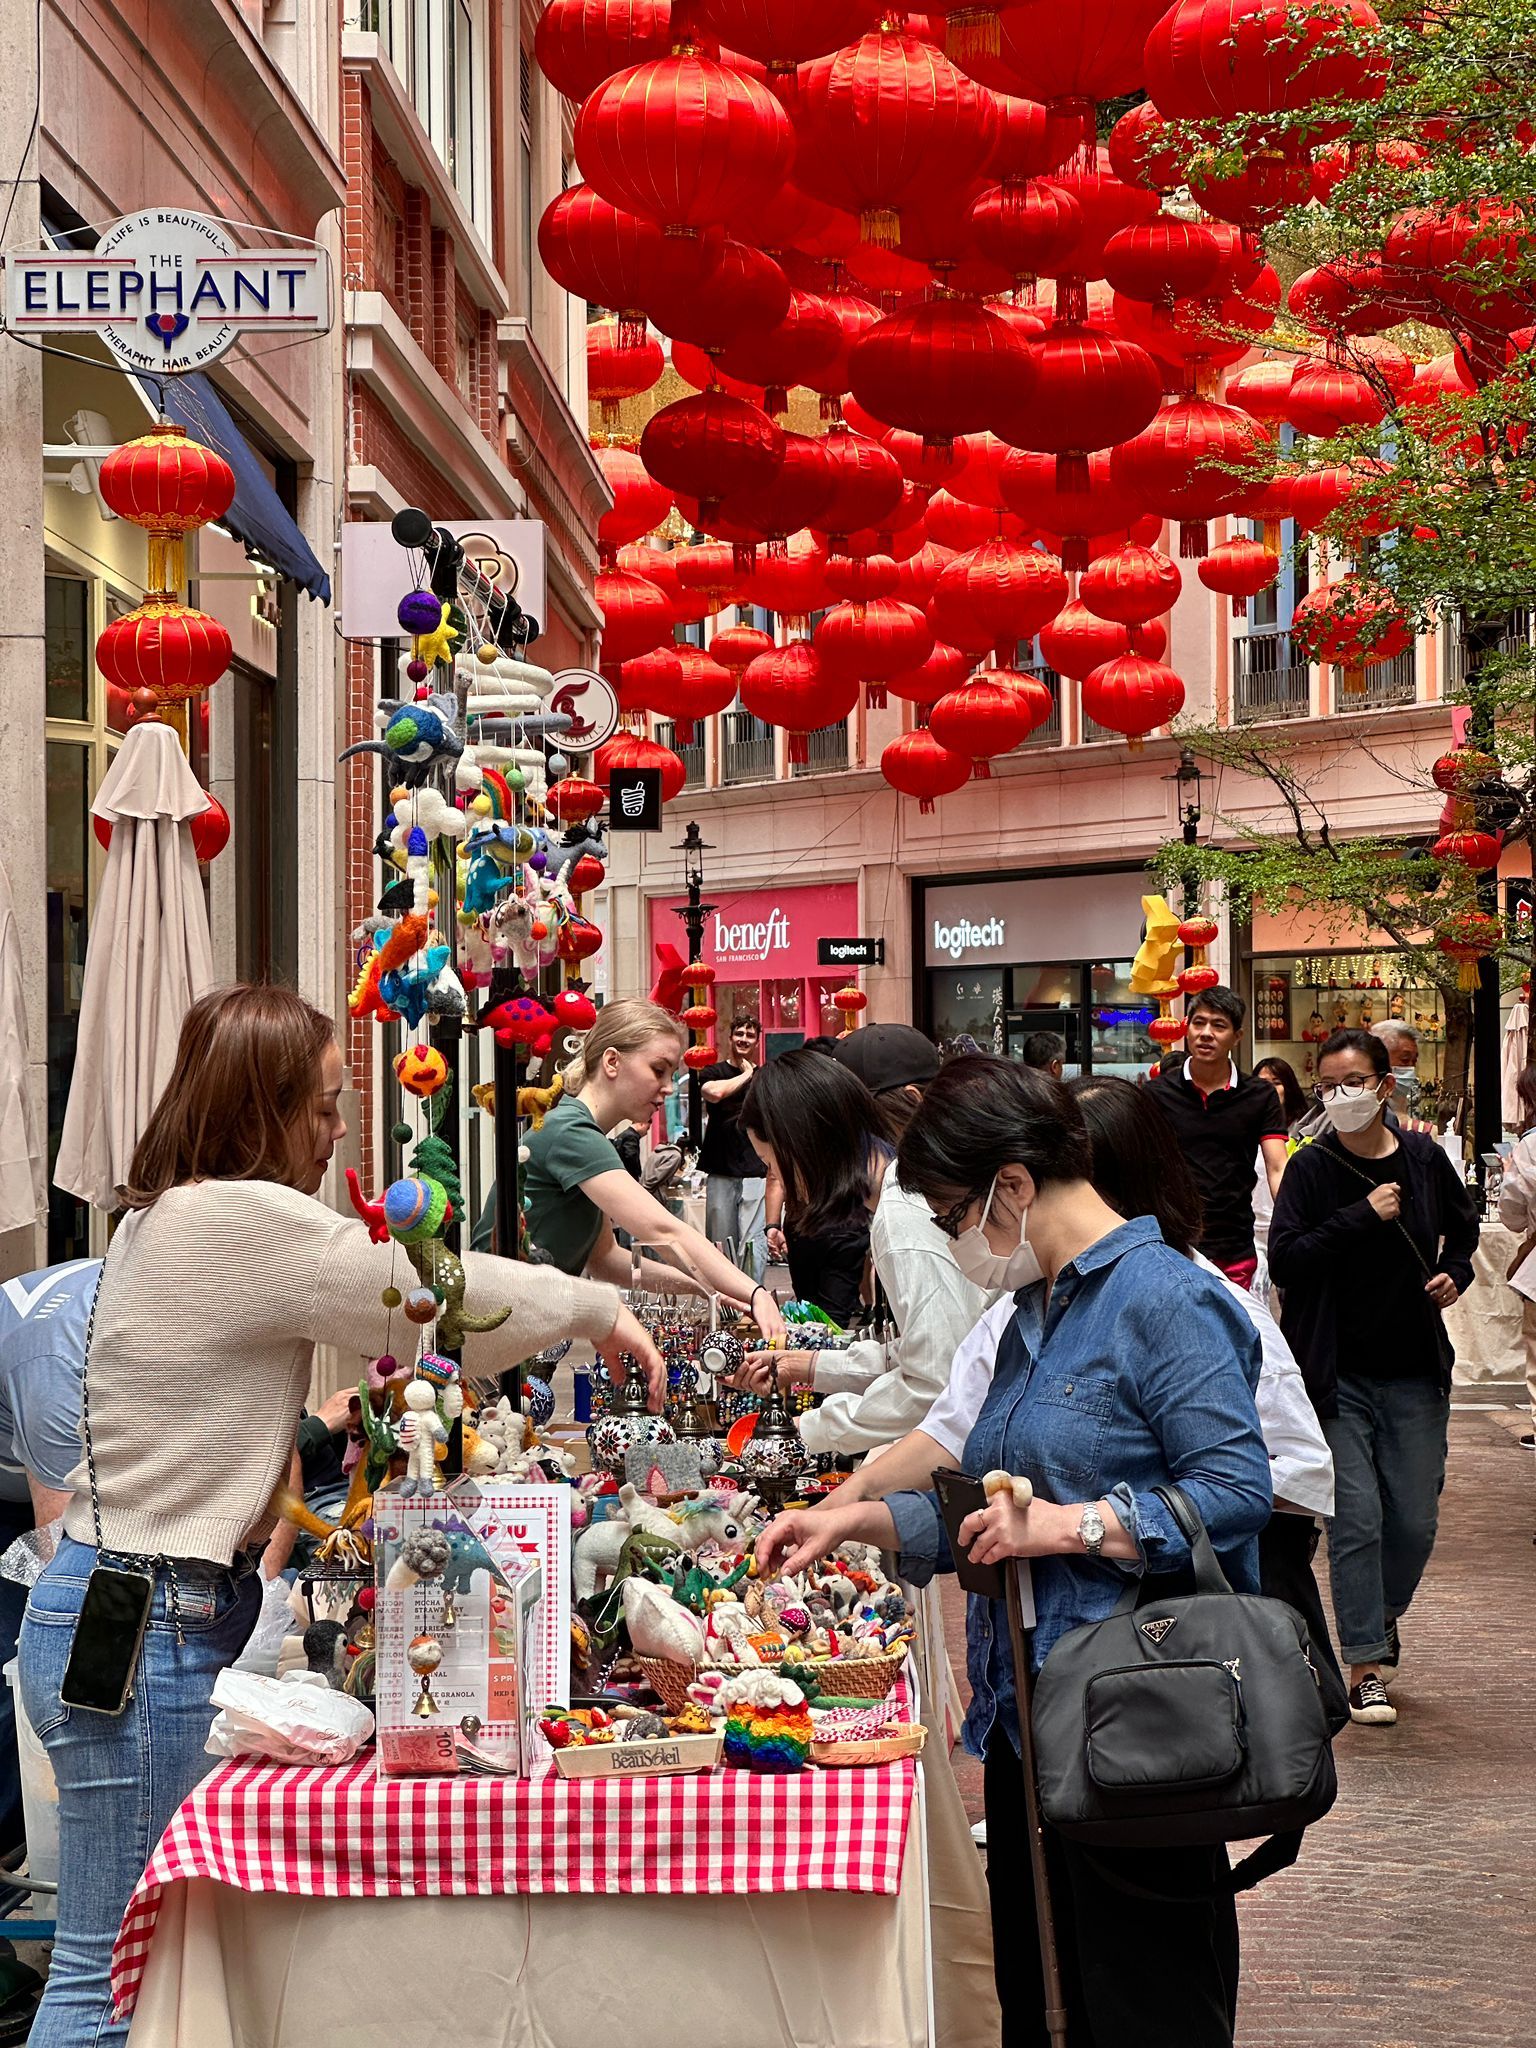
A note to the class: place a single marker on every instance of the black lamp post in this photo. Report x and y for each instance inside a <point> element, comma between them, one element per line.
<point>1189,780</point>
<point>693,848</point>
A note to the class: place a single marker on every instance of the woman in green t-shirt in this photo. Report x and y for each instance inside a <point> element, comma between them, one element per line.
<point>576,1184</point>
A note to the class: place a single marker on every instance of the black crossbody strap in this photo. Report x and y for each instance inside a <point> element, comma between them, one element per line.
<point>1412,1242</point>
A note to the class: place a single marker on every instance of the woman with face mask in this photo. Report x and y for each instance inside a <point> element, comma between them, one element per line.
<point>1371,1241</point>
<point>1123,1367</point>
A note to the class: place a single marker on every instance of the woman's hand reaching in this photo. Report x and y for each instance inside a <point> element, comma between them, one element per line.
<point>630,1334</point>
<point>765,1313</point>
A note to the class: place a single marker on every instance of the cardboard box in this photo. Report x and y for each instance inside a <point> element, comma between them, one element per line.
<point>664,1757</point>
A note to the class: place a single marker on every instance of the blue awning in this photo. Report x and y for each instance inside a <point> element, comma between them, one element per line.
<point>258,517</point>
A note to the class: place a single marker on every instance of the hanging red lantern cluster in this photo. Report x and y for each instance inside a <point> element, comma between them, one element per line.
<point>1353,624</point>
<point>1468,937</point>
<point>699,1015</point>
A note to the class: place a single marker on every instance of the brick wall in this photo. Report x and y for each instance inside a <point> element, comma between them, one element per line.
<point>357,154</point>
<point>378,439</point>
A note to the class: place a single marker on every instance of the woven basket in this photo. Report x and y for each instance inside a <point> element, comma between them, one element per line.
<point>851,1678</point>
<point>897,1741</point>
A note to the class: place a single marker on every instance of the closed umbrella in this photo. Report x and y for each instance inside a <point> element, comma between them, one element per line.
<point>23,1184</point>
<point>1517,1036</point>
<point>149,958</point>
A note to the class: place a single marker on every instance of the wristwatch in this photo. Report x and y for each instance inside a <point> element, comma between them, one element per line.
<point>1090,1531</point>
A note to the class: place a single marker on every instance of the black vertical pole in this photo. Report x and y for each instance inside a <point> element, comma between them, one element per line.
<point>1482,637</point>
<point>693,916</point>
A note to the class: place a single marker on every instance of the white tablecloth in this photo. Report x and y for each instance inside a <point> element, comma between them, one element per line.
<point>1484,1326</point>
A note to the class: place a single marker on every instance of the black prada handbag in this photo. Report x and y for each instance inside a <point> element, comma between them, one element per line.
<point>1185,1722</point>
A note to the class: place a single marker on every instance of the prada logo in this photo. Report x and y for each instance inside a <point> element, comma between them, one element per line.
<point>1154,1631</point>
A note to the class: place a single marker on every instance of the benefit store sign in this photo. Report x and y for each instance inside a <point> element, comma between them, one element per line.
<point>169,291</point>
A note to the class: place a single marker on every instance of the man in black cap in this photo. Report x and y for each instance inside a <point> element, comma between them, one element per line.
<point>895,1063</point>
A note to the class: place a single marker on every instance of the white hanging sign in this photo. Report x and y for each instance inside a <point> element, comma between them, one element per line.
<point>167,290</point>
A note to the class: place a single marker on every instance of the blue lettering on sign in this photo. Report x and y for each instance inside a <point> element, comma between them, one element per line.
<point>291,277</point>
<point>208,288</point>
<point>169,288</point>
<point>262,294</point>
<point>61,304</point>
<point>36,292</point>
<point>96,298</point>
<point>130,284</point>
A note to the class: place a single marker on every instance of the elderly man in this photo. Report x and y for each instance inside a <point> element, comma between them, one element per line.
<point>1402,1043</point>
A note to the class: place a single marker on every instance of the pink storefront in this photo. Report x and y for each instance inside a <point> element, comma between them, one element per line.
<point>762,945</point>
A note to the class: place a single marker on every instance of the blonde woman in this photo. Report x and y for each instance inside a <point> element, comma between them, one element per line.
<point>223,1276</point>
<point>576,1185</point>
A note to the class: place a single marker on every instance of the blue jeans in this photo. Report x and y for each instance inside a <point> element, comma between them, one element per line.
<point>121,1776</point>
<point>1388,1442</point>
<point>735,1219</point>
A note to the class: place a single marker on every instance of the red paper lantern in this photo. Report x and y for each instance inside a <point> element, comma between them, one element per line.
<point>1071,54</point>
<point>588,874</point>
<point>784,33</point>
<point>742,290</point>
<point>789,688</point>
<point>1032,485</point>
<point>917,765</point>
<point>1108,205</point>
<point>711,445</point>
<point>1267,186</point>
<point>1189,464</point>
<point>957,526</point>
<point>887,120</point>
<point>1076,642</point>
<point>792,350</point>
<point>1089,391</point>
<point>579,937</point>
<point>166,482</point>
<point>164,646</point>
<point>639,502</point>
<point>1478,851</point>
<point>918,575</point>
<point>859,578</point>
<point>996,595</point>
<point>941,370</point>
<point>646,682</point>
<point>573,799</point>
<point>1163,259</point>
<point>616,372</point>
<point>1026,229</point>
<point>1464,772</point>
<point>1239,569</point>
<point>636,614</point>
<point>633,750</point>
<point>945,669</point>
<point>797,493</point>
<point>872,642</point>
<point>708,569</point>
<point>579,43</point>
<point>1223,58</point>
<point>703,688</point>
<point>1263,389</point>
<point>981,720</point>
<point>737,646</point>
<point>1132,695</point>
<point>791,583</point>
<point>1141,153</point>
<point>611,257</point>
<point>1132,585</point>
<point>1353,624</point>
<point>866,484</point>
<point>1468,937</point>
<point>683,140</point>
<point>1325,397</point>
<point>210,831</point>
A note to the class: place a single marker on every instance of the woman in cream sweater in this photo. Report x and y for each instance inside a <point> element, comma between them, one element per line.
<point>223,1276</point>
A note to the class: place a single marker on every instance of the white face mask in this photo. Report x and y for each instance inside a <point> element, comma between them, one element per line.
<point>1354,1112</point>
<point>990,1270</point>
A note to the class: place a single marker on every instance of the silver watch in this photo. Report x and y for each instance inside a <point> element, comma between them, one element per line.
<point>1090,1531</point>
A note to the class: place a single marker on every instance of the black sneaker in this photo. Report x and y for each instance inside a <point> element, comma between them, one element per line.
<point>1393,1658</point>
<point>1368,1702</point>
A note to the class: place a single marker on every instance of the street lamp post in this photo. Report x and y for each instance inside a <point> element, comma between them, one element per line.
<point>693,848</point>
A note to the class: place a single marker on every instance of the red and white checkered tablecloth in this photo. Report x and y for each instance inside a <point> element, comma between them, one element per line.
<point>346,1832</point>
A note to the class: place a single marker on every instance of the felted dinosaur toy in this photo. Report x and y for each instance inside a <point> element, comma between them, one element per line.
<point>406,940</point>
<point>440,1270</point>
<point>538,1102</point>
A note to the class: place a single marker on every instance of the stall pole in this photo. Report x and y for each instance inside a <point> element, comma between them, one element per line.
<point>1481,638</point>
<point>1045,1918</point>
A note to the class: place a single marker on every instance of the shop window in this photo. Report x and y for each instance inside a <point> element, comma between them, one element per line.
<point>967,1003</point>
<point>1297,1000</point>
<point>67,635</point>
<point>251,699</point>
<point>1117,1023</point>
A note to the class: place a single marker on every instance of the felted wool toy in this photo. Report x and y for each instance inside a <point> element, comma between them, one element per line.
<point>1008,1482</point>
<point>415,1209</point>
<point>767,1722</point>
<point>658,1625</point>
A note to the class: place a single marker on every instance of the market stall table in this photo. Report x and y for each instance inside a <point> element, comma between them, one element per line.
<point>287,1906</point>
<point>1484,1325</point>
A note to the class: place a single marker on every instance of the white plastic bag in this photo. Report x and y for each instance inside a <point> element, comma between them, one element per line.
<point>273,1624</point>
<point>294,1720</point>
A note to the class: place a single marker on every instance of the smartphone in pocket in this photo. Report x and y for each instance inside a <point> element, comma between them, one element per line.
<point>108,1638</point>
<point>961,1494</point>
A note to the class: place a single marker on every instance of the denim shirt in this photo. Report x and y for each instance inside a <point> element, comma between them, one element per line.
<point>1140,1369</point>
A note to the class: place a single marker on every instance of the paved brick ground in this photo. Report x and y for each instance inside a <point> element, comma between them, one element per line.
<point>1410,1921</point>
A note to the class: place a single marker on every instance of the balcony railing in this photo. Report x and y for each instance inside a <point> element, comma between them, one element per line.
<point>1049,734</point>
<point>1516,639</point>
<point>1386,682</point>
<point>827,751</point>
<point>746,748</point>
<point>692,757</point>
<point>1270,679</point>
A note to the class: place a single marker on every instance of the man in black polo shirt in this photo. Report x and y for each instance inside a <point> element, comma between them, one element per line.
<point>1224,1121</point>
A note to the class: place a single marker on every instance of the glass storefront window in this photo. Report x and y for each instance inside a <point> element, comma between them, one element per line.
<point>66,612</point>
<point>1118,1023</point>
<point>1297,1000</point>
<point>69,841</point>
<point>967,1002</point>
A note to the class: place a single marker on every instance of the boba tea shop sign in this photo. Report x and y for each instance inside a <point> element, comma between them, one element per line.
<point>168,291</point>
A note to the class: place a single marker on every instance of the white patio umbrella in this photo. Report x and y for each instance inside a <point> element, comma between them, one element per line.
<point>149,958</point>
<point>23,1183</point>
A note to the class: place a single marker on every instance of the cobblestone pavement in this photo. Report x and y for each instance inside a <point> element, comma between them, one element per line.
<point>1410,1920</point>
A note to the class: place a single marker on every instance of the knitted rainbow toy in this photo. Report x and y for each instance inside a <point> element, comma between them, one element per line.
<point>767,1722</point>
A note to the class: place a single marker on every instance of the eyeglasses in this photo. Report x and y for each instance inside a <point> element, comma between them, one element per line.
<point>1347,1091</point>
<point>952,1219</point>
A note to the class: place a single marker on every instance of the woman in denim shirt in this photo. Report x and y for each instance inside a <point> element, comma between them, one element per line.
<point>1122,1368</point>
